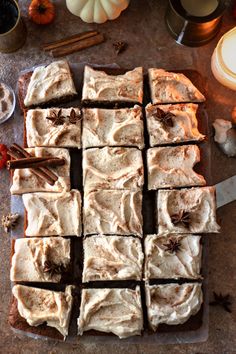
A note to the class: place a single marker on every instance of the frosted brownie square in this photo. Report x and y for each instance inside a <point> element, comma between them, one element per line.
<point>40,259</point>
<point>53,127</point>
<point>56,214</point>
<point>112,258</point>
<point>172,123</point>
<point>39,306</point>
<point>170,167</point>
<point>24,181</point>
<point>113,127</point>
<point>50,83</point>
<point>187,210</point>
<point>100,87</point>
<point>113,212</point>
<point>103,309</point>
<point>112,168</point>
<point>172,256</point>
<point>172,304</point>
<point>169,87</point>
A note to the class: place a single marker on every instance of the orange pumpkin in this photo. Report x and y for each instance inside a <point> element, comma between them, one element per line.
<point>42,12</point>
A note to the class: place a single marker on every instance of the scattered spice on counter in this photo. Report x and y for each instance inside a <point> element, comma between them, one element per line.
<point>10,221</point>
<point>222,301</point>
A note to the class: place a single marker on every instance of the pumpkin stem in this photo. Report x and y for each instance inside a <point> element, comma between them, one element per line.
<point>41,8</point>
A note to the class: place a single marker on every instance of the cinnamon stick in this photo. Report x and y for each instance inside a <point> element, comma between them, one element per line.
<point>77,46</point>
<point>36,172</point>
<point>24,153</point>
<point>34,162</point>
<point>68,40</point>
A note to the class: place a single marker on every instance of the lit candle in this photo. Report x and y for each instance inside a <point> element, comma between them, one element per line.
<point>223,62</point>
<point>199,8</point>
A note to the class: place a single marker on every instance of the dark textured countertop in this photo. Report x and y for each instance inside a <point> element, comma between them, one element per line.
<point>142,26</point>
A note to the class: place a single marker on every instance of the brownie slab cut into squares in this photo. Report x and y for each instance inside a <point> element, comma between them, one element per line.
<point>40,259</point>
<point>169,87</point>
<point>24,181</point>
<point>39,306</point>
<point>112,258</point>
<point>173,167</point>
<point>187,210</point>
<point>57,214</point>
<point>53,127</point>
<point>172,256</point>
<point>50,83</point>
<point>113,127</point>
<point>113,212</point>
<point>112,168</point>
<point>172,123</point>
<point>100,87</point>
<point>172,304</point>
<point>117,311</point>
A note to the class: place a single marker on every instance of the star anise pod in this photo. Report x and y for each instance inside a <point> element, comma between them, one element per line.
<point>182,217</point>
<point>119,46</point>
<point>173,245</point>
<point>166,118</point>
<point>9,221</point>
<point>56,118</point>
<point>53,268</point>
<point>222,300</point>
<point>73,117</point>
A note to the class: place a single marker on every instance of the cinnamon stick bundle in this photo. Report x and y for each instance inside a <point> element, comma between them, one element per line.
<point>68,40</point>
<point>79,45</point>
<point>17,152</point>
<point>34,162</point>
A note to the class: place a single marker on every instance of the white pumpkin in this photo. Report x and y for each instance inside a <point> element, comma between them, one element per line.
<point>98,11</point>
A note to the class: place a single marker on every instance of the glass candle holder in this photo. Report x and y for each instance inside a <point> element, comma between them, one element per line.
<point>194,23</point>
<point>223,61</point>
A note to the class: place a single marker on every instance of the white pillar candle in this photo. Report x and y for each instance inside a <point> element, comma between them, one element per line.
<point>223,62</point>
<point>199,8</point>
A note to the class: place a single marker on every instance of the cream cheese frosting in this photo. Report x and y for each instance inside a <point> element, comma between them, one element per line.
<point>112,168</point>
<point>24,181</point>
<point>37,306</point>
<point>169,87</point>
<point>172,304</point>
<point>56,214</point>
<point>173,167</point>
<point>113,127</point>
<point>112,258</point>
<point>42,131</point>
<point>163,263</point>
<point>184,124</point>
<point>99,86</point>
<point>31,255</point>
<point>48,83</point>
<point>197,204</point>
<point>113,212</point>
<point>111,310</point>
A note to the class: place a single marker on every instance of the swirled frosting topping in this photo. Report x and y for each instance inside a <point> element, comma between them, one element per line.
<point>187,211</point>
<point>184,125</point>
<point>113,127</point>
<point>165,262</point>
<point>48,83</point>
<point>37,306</point>
<point>31,256</point>
<point>112,168</point>
<point>112,258</point>
<point>24,181</point>
<point>173,167</point>
<point>113,212</point>
<point>172,304</point>
<point>169,87</point>
<point>56,214</point>
<point>99,86</point>
<point>43,127</point>
<point>111,310</point>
